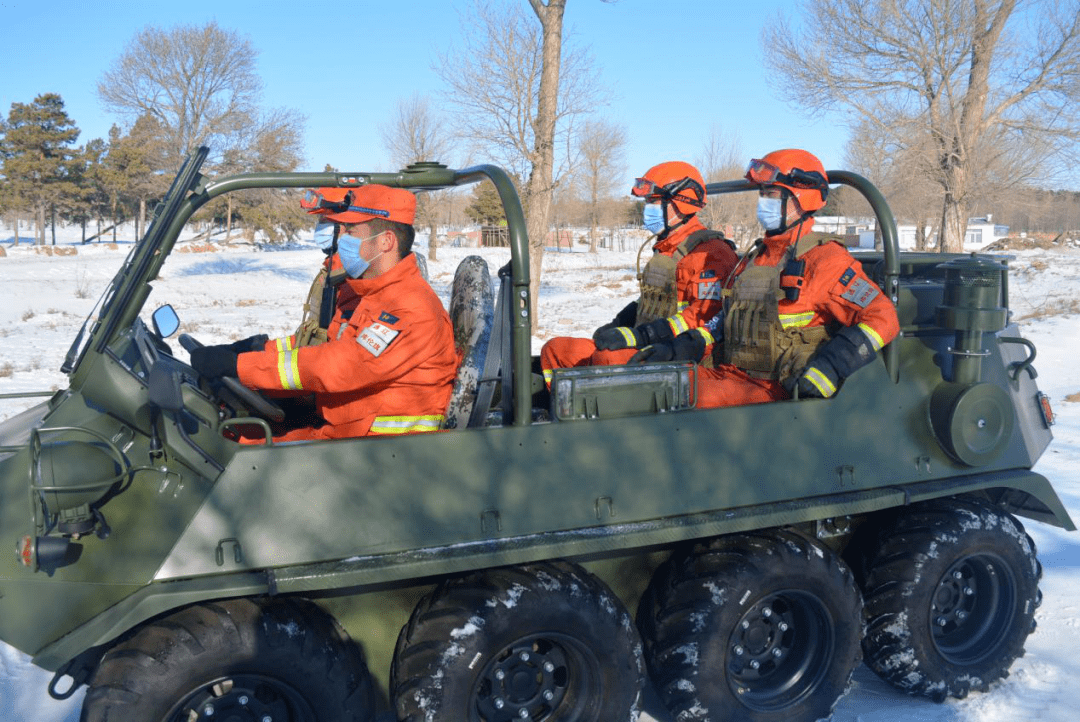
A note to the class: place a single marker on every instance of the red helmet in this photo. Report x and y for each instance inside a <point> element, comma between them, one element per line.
<point>799,172</point>
<point>676,182</point>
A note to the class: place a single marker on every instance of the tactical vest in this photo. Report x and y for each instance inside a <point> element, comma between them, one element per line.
<point>659,291</point>
<point>754,338</point>
<point>319,308</point>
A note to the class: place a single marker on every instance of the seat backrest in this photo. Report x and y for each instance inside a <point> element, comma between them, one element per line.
<point>472,313</point>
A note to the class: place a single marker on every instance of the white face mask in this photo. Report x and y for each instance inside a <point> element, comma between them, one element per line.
<point>349,252</point>
<point>769,213</point>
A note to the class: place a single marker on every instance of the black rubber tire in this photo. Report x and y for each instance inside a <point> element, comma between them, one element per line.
<point>951,594</point>
<point>492,644</point>
<point>285,658</point>
<point>775,598</point>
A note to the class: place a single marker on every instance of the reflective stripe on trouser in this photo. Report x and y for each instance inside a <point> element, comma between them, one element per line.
<point>406,424</point>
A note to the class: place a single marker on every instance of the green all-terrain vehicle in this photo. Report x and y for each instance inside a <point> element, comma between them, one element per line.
<point>186,577</point>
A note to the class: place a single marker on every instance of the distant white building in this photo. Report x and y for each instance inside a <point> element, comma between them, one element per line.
<point>980,231</point>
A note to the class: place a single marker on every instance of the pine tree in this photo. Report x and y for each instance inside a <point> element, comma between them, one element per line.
<point>37,157</point>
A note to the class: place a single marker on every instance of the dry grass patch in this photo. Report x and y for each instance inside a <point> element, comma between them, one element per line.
<point>1071,397</point>
<point>6,371</point>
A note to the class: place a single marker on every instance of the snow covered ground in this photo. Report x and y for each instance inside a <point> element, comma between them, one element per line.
<point>232,294</point>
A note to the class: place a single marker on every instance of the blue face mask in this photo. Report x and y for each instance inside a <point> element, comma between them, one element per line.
<point>324,234</point>
<point>654,217</point>
<point>769,213</point>
<point>349,252</point>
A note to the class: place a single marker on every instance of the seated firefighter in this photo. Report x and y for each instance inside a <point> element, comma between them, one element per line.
<point>680,286</point>
<point>388,364</point>
<point>799,312</point>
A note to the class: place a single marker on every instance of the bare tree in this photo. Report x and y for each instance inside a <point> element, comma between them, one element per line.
<point>518,93</point>
<point>722,159</point>
<point>200,83</point>
<point>971,77</point>
<point>416,134</point>
<point>603,153</point>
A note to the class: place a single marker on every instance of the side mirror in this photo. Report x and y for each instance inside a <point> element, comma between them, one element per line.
<point>166,322</point>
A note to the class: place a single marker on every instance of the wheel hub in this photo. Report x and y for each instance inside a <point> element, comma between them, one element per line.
<point>247,698</point>
<point>527,681</point>
<point>779,650</point>
<point>971,608</point>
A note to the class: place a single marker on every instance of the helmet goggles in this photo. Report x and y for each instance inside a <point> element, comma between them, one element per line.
<point>314,201</point>
<point>679,190</point>
<point>765,173</point>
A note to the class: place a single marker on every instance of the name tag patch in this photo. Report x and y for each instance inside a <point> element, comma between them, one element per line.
<point>376,337</point>
<point>709,291</point>
<point>861,292</point>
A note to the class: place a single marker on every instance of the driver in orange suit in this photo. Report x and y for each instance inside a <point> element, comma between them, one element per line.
<point>389,362</point>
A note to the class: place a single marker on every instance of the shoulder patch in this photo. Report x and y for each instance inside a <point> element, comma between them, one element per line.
<point>861,293</point>
<point>848,275</point>
<point>389,318</point>
<point>376,337</point>
<point>709,273</point>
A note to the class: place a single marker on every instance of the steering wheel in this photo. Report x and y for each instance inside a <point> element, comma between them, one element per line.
<point>252,399</point>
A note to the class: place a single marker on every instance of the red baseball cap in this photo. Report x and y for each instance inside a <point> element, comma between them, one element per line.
<point>376,201</point>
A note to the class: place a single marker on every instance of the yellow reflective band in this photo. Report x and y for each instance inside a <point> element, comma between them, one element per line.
<point>289,371</point>
<point>628,334</point>
<point>678,324</point>
<point>406,424</point>
<point>789,320</point>
<point>548,376</point>
<point>875,339</point>
<point>682,306</point>
<point>706,335</point>
<point>284,344</point>
<point>821,381</point>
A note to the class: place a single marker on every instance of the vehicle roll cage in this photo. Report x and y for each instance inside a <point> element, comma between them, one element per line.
<point>191,191</point>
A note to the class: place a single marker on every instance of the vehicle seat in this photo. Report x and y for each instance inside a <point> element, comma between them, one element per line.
<point>472,314</point>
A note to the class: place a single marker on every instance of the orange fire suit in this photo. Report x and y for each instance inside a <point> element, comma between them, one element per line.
<point>387,368</point>
<point>699,276</point>
<point>833,292</point>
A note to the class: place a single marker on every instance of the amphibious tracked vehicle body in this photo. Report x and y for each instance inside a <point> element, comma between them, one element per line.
<point>547,553</point>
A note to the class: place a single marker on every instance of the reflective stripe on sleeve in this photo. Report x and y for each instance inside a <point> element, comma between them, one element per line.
<point>706,335</point>
<point>406,424</point>
<point>283,344</point>
<point>682,306</point>
<point>875,339</point>
<point>628,335</point>
<point>796,320</point>
<point>821,381</point>
<point>289,371</point>
<point>678,324</point>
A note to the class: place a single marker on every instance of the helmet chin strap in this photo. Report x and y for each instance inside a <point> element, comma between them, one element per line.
<point>784,225</point>
<point>664,204</point>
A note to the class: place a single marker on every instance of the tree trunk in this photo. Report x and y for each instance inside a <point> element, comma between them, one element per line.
<point>540,183</point>
<point>142,219</point>
<point>954,209</point>
<point>39,232</point>
<point>228,220</point>
<point>52,221</point>
<point>433,243</point>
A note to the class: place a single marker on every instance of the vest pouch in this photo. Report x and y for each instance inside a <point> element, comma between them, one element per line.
<point>797,346</point>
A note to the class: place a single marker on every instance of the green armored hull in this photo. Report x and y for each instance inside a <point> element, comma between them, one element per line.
<point>494,570</point>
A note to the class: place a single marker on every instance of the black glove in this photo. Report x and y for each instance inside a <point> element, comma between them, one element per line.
<point>849,350</point>
<point>624,317</point>
<point>617,337</point>
<point>689,346</point>
<point>214,361</point>
<point>251,343</point>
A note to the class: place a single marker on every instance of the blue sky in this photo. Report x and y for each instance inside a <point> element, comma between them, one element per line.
<point>676,68</point>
